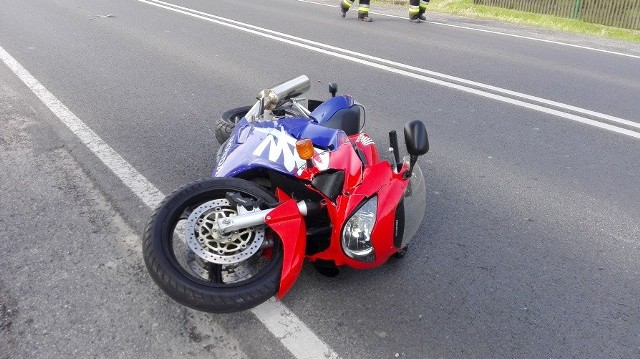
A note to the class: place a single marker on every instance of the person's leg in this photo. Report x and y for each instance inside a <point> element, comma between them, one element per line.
<point>423,8</point>
<point>345,5</point>
<point>414,10</point>
<point>363,11</point>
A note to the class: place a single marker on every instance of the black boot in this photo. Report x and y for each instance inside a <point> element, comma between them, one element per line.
<point>423,8</point>
<point>414,13</point>
<point>345,5</point>
<point>364,16</point>
<point>343,10</point>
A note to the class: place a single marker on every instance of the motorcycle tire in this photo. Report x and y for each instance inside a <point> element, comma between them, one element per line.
<point>227,121</point>
<point>185,277</point>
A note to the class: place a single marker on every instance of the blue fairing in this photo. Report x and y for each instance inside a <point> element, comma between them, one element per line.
<point>327,109</point>
<point>271,144</point>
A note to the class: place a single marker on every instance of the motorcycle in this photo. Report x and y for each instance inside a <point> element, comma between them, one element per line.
<point>295,179</point>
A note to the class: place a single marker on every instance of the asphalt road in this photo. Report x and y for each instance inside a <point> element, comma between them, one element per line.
<point>531,240</point>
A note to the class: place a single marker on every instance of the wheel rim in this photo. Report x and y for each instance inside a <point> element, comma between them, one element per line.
<point>207,242</point>
<point>196,249</point>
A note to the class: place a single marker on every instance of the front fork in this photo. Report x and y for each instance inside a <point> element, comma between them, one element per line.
<point>251,219</point>
<point>287,221</point>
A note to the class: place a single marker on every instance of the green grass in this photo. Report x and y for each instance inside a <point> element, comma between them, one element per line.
<point>468,9</point>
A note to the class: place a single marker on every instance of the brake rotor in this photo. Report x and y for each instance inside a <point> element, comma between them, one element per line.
<point>205,240</point>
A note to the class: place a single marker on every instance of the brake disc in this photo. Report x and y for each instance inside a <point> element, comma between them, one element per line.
<point>205,240</point>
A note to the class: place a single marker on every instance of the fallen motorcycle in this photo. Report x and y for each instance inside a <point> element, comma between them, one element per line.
<point>293,181</point>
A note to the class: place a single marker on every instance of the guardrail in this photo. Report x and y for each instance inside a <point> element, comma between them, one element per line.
<point>618,13</point>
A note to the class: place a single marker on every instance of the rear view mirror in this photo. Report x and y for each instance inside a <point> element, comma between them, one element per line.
<point>417,141</point>
<point>416,138</point>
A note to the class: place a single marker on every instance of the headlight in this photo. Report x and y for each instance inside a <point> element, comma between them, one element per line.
<point>356,234</point>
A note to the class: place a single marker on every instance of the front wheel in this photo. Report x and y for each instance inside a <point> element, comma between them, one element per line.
<point>201,268</point>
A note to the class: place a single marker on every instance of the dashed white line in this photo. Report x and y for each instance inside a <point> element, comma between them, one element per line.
<point>284,324</point>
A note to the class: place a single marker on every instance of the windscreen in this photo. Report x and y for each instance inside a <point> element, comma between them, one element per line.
<point>415,203</point>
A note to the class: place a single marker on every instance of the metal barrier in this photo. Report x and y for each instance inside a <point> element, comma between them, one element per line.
<point>618,13</point>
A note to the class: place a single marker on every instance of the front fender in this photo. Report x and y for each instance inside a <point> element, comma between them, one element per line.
<point>287,222</point>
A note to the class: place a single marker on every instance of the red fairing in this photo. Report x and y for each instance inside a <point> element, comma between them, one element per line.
<point>362,181</point>
<point>379,180</point>
<point>374,177</point>
<point>289,225</point>
<point>368,147</point>
<point>343,158</point>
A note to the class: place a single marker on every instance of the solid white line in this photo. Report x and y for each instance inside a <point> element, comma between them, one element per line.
<point>291,331</point>
<point>144,189</point>
<point>285,325</point>
<point>317,47</point>
<point>493,32</point>
<point>224,20</point>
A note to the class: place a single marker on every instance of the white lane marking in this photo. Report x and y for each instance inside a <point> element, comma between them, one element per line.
<point>361,59</point>
<point>294,335</point>
<point>144,189</point>
<point>493,32</point>
<point>285,325</point>
<point>399,64</point>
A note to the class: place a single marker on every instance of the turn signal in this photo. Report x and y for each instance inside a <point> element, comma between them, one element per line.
<point>305,149</point>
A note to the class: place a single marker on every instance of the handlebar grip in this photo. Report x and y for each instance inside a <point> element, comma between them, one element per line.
<point>393,141</point>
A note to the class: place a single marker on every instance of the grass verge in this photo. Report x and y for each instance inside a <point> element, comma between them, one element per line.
<point>468,9</point>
